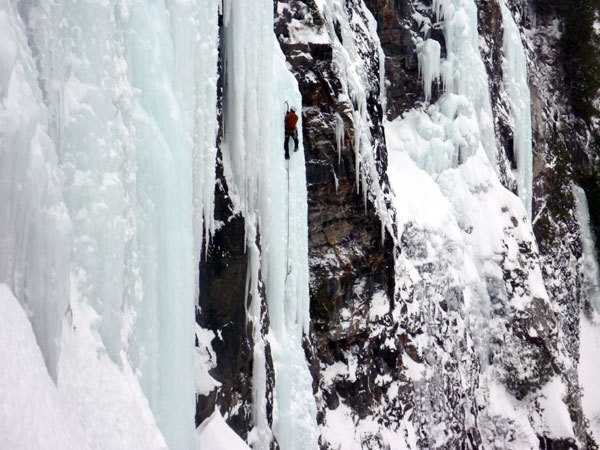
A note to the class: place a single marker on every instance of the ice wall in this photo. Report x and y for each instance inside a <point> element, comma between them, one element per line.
<point>515,80</point>
<point>591,271</point>
<point>271,195</point>
<point>107,149</point>
<point>36,230</point>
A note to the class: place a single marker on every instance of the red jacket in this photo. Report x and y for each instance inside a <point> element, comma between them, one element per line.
<point>291,119</point>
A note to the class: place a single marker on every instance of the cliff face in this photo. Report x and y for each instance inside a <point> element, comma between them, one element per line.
<point>417,333</point>
<point>510,342</point>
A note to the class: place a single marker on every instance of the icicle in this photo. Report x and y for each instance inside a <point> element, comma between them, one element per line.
<point>339,136</point>
<point>463,72</point>
<point>335,180</point>
<point>428,56</point>
<point>515,79</point>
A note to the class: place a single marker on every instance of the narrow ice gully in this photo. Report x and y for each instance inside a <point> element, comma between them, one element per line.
<point>257,85</point>
<point>589,365</point>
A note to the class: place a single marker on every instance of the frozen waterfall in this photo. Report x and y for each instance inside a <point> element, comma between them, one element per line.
<point>108,144</point>
<point>515,80</point>
<point>591,272</point>
<point>463,74</point>
<point>271,194</point>
<point>108,126</point>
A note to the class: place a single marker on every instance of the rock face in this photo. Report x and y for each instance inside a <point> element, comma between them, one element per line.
<point>223,290</point>
<point>350,260</point>
<point>395,29</point>
<point>381,346</point>
<point>395,344</point>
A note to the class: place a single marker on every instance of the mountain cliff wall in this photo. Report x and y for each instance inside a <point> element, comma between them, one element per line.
<point>417,335</point>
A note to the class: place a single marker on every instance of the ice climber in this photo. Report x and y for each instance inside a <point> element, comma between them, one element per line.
<point>291,119</point>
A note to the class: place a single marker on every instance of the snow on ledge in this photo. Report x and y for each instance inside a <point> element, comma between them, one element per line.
<point>215,434</point>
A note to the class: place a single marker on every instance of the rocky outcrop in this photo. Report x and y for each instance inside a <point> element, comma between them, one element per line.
<point>561,151</point>
<point>387,304</point>
<point>350,259</point>
<point>222,310</point>
<point>396,29</point>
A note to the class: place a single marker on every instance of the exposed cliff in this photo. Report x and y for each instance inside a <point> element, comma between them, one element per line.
<point>437,139</point>
<point>373,358</point>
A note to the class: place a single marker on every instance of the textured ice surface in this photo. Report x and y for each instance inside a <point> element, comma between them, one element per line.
<point>270,192</point>
<point>515,79</point>
<point>107,148</point>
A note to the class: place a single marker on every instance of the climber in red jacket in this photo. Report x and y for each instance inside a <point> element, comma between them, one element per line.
<point>291,119</point>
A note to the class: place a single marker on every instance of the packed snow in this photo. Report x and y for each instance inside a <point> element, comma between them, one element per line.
<point>589,367</point>
<point>215,434</point>
<point>33,413</point>
<point>96,404</point>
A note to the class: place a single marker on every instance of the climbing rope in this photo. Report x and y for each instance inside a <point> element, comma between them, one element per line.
<point>289,268</point>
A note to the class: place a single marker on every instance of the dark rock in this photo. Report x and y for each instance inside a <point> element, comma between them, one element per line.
<point>222,309</point>
<point>547,443</point>
<point>349,263</point>
<point>396,29</point>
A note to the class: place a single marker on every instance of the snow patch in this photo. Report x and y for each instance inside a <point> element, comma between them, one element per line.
<point>215,434</point>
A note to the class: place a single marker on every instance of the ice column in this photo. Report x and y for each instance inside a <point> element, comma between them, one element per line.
<point>591,271</point>
<point>195,45</point>
<point>428,56</point>
<point>271,195</point>
<point>515,80</point>
<point>36,232</point>
<point>174,67</point>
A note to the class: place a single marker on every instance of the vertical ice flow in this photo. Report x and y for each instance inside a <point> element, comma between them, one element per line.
<point>591,271</point>
<point>428,56</point>
<point>271,195</point>
<point>462,71</point>
<point>515,80</point>
<point>195,40</point>
<point>36,232</point>
<point>107,163</point>
<point>174,54</point>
